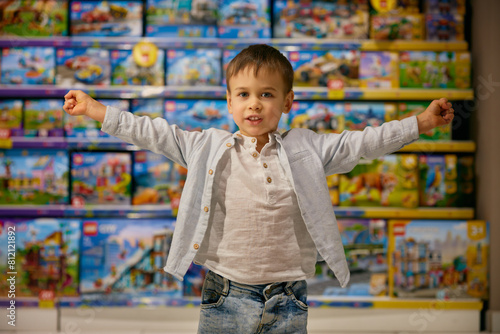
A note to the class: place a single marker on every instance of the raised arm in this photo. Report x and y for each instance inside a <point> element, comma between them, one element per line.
<point>77,103</point>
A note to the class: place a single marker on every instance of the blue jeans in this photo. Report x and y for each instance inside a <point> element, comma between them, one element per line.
<point>230,307</point>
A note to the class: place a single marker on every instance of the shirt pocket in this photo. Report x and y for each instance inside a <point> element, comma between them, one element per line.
<point>300,156</point>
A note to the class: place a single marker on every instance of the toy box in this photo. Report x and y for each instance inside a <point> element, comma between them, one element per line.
<point>408,109</point>
<point>78,67</point>
<point>394,7</point>
<point>418,69</point>
<point>227,56</point>
<point>466,181</point>
<point>333,182</point>
<point>46,255</point>
<point>43,118</point>
<point>391,180</point>
<point>158,180</point>
<point>438,180</point>
<point>360,115</point>
<point>128,68</point>
<point>147,107</point>
<point>244,19</point>
<point>11,117</point>
<point>331,68</point>
<point>445,7</point>
<point>365,246</point>
<point>199,67</point>
<point>28,66</point>
<point>192,18</point>
<point>38,177</point>
<point>35,18</point>
<point>379,69</point>
<point>122,260</point>
<point>103,18</point>
<point>100,178</point>
<point>397,26</point>
<point>444,27</point>
<point>197,115</point>
<point>446,260</point>
<point>193,280</point>
<point>454,70</point>
<point>321,19</point>
<point>82,127</point>
<point>322,117</point>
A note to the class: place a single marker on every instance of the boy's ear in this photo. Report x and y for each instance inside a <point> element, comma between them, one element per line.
<point>288,102</point>
<point>228,98</point>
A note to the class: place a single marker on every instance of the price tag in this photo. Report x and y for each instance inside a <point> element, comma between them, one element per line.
<point>46,299</point>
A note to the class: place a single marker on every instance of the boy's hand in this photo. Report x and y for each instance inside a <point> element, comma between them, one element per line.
<point>78,103</point>
<point>438,113</point>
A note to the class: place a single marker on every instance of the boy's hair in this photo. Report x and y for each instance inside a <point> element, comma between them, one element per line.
<point>261,56</point>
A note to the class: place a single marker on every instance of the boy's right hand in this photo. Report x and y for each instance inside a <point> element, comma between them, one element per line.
<point>77,103</point>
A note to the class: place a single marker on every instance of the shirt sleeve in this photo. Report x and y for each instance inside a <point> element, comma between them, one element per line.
<point>341,153</point>
<point>155,135</point>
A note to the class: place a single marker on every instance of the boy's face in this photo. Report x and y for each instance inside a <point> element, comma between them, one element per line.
<point>257,102</point>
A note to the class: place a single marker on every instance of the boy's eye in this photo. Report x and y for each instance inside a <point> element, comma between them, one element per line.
<point>243,94</point>
<point>267,94</point>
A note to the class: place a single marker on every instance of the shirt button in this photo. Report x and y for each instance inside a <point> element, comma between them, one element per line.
<point>205,209</point>
<point>265,165</point>
<point>253,140</point>
<point>254,154</point>
<point>228,144</point>
<point>210,172</point>
<point>269,180</point>
<point>196,246</point>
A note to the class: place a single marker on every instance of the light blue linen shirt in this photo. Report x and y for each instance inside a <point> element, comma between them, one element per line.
<point>306,157</point>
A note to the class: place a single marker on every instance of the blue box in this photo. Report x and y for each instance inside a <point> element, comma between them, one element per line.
<point>28,66</point>
<point>166,18</point>
<point>445,27</point>
<point>200,67</point>
<point>110,18</point>
<point>321,117</point>
<point>46,256</point>
<point>39,177</point>
<point>43,118</point>
<point>360,115</point>
<point>123,259</point>
<point>244,19</point>
<point>445,7</point>
<point>78,67</point>
<point>148,107</point>
<point>227,56</point>
<point>102,178</point>
<point>11,117</point>
<point>126,71</point>
<point>197,115</point>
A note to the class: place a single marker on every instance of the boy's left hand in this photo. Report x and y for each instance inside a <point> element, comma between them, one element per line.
<point>438,113</point>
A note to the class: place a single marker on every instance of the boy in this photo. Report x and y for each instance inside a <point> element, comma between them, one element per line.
<point>255,208</point>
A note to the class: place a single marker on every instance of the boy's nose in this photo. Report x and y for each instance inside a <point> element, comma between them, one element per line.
<point>255,105</point>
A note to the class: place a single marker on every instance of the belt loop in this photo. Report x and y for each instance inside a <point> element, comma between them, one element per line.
<point>225,290</point>
<point>288,288</point>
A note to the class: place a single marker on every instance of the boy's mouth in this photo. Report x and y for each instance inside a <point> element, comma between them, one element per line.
<point>254,119</point>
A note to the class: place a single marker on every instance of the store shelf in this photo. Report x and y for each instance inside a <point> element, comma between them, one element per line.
<point>422,146</point>
<point>403,213</point>
<point>188,43</point>
<point>32,210</point>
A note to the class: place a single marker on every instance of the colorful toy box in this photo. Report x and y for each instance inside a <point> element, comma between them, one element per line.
<point>122,260</point>
<point>326,68</point>
<point>46,256</point>
<point>43,118</point>
<point>321,19</point>
<point>38,177</point>
<point>191,18</point>
<point>365,246</point>
<point>322,117</point>
<point>445,7</point>
<point>199,67</point>
<point>128,68</point>
<point>28,66</point>
<point>79,67</point>
<point>193,280</point>
<point>77,128</point>
<point>446,260</point>
<point>454,70</point>
<point>444,27</point>
<point>147,107</point>
<point>389,181</point>
<point>360,115</point>
<point>227,56</point>
<point>244,19</point>
<point>102,178</point>
<point>408,109</point>
<point>197,115</point>
<point>11,117</point>
<point>418,69</point>
<point>392,7</point>
<point>438,180</point>
<point>397,26</point>
<point>379,69</point>
<point>35,18</point>
<point>158,180</point>
<point>106,18</point>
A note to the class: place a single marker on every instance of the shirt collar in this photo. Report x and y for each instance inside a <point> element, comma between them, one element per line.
<point>250,143</point>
